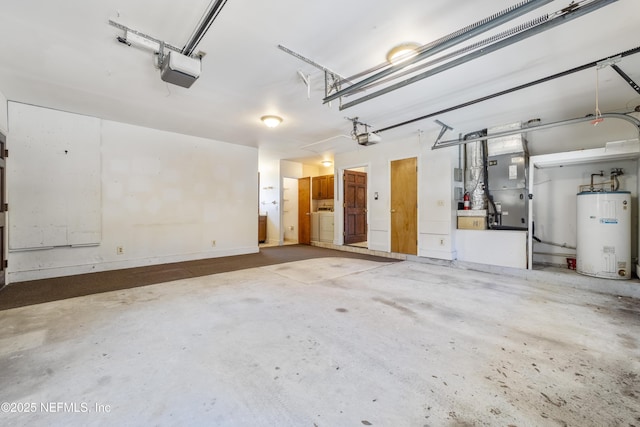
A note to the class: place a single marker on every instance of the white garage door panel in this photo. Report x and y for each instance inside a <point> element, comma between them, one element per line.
<point>54,178</point>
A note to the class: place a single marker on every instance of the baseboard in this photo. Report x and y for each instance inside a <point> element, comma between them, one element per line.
<point>72,270</point>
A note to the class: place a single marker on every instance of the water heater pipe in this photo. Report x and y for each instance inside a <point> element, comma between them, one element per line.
<point>595,174</point>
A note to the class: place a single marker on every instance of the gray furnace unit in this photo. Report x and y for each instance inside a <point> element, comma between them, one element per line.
<point>507,166</point>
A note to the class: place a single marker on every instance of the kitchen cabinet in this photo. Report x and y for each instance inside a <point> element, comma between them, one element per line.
<point>322,187</point>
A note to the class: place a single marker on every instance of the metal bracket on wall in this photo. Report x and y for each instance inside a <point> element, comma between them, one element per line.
<point>306,78</point>
<point>332,79</point>
<point>609,61</point>
<point>443,130</point>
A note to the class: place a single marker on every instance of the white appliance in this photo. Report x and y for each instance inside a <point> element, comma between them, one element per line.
<point>315,226</point>
<point>326,227</point>
<point>604,234</point>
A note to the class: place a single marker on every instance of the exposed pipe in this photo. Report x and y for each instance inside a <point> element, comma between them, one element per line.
<point>554,254</point>
<point>560,245</point>
<point>601,173</point>
<point>513,89</point>
<point>449,41</point>
<point>454,142</point>
<point>559,20</point>
<point>615,182</point>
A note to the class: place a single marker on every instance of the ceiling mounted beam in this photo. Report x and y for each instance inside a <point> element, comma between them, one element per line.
<point>547,25</point>
<point>448,41</point>
<point>203,26</point>
<point>154,40</point>
<point>462,51</point>
<point>513,89</point>
<point>453,142</point>
<point>628,79</point>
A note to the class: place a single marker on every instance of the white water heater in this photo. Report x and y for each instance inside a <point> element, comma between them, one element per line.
<point>604,234</point>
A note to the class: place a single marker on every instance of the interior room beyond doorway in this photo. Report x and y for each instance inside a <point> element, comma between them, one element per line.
<point>289,211</point>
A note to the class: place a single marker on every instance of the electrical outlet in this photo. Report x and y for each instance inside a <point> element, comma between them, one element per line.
<point>120,250</point>
<point>441,242</point>
<point>213,243</point>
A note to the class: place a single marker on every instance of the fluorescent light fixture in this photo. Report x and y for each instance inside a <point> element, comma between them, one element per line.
<point>271,121</point>
<point>326,163</point>
<point>402,52</point>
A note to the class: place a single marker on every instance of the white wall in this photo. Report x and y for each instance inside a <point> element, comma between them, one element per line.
<point>4,123</point>
<point>165,198</point>
<point>55,176</point>
<point>435,195</point>
<point>437,207</point>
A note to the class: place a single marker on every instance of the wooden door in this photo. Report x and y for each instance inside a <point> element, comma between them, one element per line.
<point>304,211</point>
<point>355,207</point>
<point>3,209</point>
<point>404,206</point>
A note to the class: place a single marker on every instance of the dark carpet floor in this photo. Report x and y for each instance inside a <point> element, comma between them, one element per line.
<point>45,290</point>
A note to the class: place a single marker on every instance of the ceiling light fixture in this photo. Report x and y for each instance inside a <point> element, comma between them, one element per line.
<point>326,163</point>
<point>271,121</point>
<point>402,52</point>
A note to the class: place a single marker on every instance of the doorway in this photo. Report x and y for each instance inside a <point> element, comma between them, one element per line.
<point>404,206</point>
<point>289,210</point>
<point>355,207</point>
<point>304,210</point>
<point>3,210</point>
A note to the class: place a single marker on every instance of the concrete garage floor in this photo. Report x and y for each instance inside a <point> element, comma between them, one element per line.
<point>326,342</point>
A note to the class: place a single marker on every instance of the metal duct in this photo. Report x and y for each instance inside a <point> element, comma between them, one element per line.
<point>474,175</point>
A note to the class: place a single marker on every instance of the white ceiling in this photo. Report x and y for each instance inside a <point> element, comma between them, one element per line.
<point>64,55</point>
